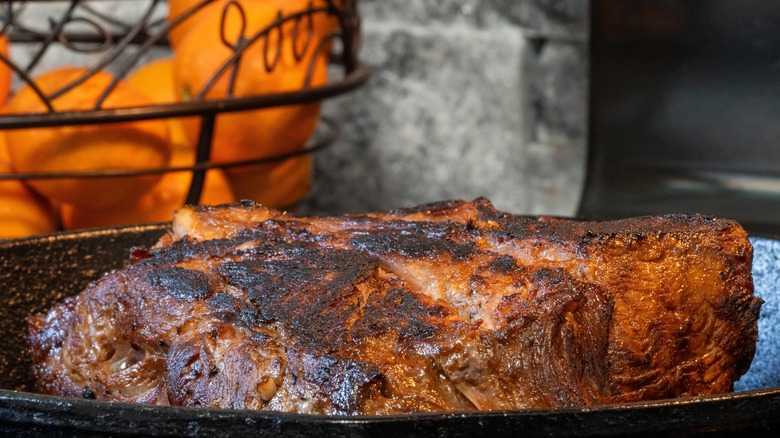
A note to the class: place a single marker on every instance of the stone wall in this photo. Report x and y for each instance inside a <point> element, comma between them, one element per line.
<point>467,98</point>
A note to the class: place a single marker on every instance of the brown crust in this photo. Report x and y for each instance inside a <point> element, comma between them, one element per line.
<point>447,306</point>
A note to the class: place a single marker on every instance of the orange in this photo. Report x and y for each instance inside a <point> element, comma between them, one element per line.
<point>125,145</point>
<point>178,7</point>
<point>22,211</point>
<point>216,188</point>
<point>158,205</point>
<point>256,133</point>
<point>280,187</point>
<point>5,70</point>
<point>155,80</point>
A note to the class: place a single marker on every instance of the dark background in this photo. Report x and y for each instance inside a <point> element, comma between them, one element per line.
<point>685,110</point>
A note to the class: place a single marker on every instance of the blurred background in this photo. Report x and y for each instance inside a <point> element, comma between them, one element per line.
<point>467,98</point>
<point>590,108</point>
<point>600,109</point>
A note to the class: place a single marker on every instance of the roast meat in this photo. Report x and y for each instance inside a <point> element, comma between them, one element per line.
<point>448,306</point>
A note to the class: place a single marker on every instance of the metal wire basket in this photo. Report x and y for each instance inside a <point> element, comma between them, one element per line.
<point>85,28</point>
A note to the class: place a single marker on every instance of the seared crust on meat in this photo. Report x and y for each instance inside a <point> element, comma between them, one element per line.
<point>448,306</point>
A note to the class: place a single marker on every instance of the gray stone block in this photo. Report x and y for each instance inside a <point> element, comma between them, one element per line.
<point>441,118</point>
<point>556,173</point>
<point>551,18</point>
<point>460,105</point>
<point>475,13</point>
<point>567,19</point>
<point>421,12</point>
<point>558,91</point>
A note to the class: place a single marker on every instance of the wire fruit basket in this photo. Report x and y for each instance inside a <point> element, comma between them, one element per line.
<point>92,32</point>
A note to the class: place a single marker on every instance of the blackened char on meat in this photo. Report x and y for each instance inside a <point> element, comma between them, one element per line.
<point>449,306</point>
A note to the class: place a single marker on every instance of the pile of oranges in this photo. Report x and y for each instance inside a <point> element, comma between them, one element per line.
<point>288,58</point>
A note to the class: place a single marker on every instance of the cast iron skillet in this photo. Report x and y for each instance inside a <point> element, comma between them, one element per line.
<point>36,272</point>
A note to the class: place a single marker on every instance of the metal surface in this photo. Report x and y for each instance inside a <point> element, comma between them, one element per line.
<point>36,272</point>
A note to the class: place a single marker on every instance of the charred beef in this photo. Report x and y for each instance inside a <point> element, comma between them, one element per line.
<point>449,306</point>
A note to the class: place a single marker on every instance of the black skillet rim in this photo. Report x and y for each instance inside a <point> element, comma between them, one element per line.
<point>35,414</point>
